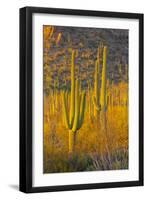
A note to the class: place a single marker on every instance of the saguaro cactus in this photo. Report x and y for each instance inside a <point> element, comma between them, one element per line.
<point>100,93</point>
<point>103,95</point>
<point>96,96</point>
<point>74,120</point>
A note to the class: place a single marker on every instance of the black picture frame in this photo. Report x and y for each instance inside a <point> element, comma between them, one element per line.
<point>26,98</point>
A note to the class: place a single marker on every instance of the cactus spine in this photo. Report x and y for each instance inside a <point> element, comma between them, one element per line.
<point>77,108</point>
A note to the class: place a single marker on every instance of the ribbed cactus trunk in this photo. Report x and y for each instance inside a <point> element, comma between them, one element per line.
<point>77,108</point>
<point>72,99</point>
<point>112,91</point>
<point>89,103</point>
<point>55,95</point>
<point>103,97</point>
<point>97,84</point>
<point>72,141</point>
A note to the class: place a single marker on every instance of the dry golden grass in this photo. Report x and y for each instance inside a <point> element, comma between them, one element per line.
<point>91,138</point>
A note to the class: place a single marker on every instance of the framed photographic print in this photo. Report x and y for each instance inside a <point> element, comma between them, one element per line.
<point>81,99</point>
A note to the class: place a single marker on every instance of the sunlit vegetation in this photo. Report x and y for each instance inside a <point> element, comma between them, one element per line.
<point>85,105</point>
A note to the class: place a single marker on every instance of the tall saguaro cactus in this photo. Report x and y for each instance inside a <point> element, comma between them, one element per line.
<point>74,119</point>
<point>100,96</point>
<point>100,93</point>
<point>103,95</point>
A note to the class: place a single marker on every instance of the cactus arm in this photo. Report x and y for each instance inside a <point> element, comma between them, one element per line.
<point>89,98</point>
<point>96,85</point>
<point>65,110</point>
<point>82,109</point>
<point>77,107</point>
<point>66,98</point>
<point>72,100</point>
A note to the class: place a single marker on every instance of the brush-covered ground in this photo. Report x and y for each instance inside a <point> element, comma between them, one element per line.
<point>96,148</point>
